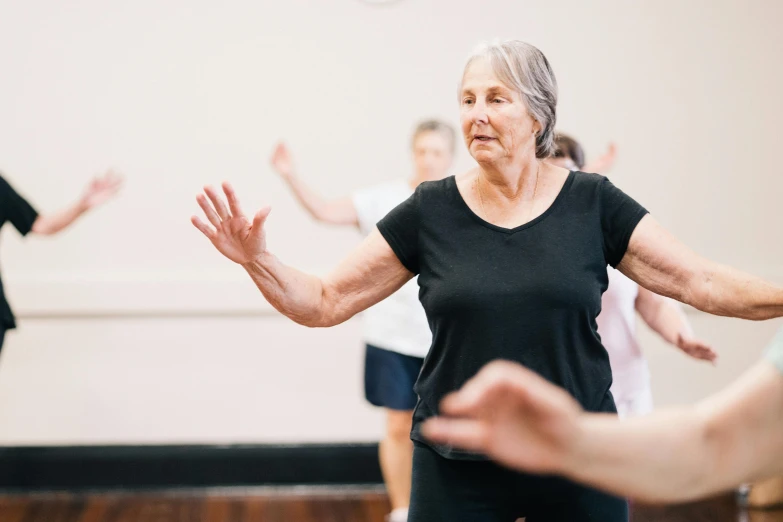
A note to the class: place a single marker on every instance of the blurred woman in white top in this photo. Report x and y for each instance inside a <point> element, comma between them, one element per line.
<point>621,302</point>
<point>396,331</point>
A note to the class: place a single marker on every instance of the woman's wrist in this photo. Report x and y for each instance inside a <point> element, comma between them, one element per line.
<point>82,206</point>
<point>259,263</point>
<point>577,452</point>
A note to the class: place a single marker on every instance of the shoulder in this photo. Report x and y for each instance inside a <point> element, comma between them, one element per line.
<point>599,188</point>
<point>435,190</point>
<point>588,180</point>
<point>434,187</point>
<point>584,191</point>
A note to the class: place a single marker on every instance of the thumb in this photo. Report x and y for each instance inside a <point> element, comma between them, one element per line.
<point>680,340</point>
<point>260,218</point>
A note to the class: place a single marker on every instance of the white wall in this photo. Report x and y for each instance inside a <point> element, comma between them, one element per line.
<point>134,330</point>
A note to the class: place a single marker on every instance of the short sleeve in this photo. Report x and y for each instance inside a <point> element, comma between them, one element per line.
<point>774,352</point>
<point>16,209</point>
<point>400,228</point>
<point>620,214</point>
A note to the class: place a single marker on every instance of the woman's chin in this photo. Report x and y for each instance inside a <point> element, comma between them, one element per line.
<point>483,156</point>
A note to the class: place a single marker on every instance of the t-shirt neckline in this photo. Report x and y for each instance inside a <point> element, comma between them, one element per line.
<point>464,205</point>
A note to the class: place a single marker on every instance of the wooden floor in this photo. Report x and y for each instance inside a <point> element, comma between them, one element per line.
<point>332,507</point>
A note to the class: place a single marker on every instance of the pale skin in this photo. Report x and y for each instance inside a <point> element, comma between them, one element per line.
<point>676,454</point>
<point>668,320</point>
<point>603,162</point>
<point>432,158</point>
<point>100,190</point>
<point>662,315</point>
<point>515,187</point>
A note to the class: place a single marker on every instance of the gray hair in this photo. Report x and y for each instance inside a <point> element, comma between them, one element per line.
<point>446,130</point>
<point>524,68</point>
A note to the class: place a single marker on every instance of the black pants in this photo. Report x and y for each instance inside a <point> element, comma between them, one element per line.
<point>446,490</point>
<point>2,337</point>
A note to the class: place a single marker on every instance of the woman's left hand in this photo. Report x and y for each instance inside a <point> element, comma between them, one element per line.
<point>513,416</point>
<point>696,348</point>
<point>101,189</point>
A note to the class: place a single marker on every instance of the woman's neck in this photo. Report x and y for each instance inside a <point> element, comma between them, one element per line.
<point>510,182</point>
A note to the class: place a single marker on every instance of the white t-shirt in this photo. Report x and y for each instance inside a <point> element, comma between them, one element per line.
<point>398,323</point>
<point>617,328</point>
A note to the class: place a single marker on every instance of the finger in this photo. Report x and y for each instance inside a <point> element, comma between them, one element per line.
<point>494,380</point>
<point>524,390</point>
<point>233,201</point>
<point>260,218</point>
<point>203,227</point>
<point>698,349</point>
<point>113,181</point>
<point>115,178</point>
<point>478,390</point>
<point>277,153</point>
<point>708,354</point>
<point>468,434</point>
<point>705,352</point>
<point>102,179</point>
<point>217,201</point>
<point>470,398</point>
<point>106,186</point>
<point>208,210</point>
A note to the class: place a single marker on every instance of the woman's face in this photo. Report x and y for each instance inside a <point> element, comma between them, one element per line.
<point>432,155</point>
<point>496,124</point>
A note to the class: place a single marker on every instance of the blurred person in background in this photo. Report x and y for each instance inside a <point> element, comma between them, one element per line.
<point>631,387</point>
<point>395,331</point>
<point>15,209</point>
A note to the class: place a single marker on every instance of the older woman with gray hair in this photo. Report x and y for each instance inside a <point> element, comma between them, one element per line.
<point>511,258</point>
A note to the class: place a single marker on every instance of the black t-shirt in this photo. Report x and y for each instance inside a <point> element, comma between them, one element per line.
<point>529,294</point>
<point>22,215</point>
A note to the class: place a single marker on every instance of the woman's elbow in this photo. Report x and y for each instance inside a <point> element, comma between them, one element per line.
<point>325,315</point>
<point>318,322</point>
<point>42,227</point>
<point>313,321</point>
<point>727,302</point>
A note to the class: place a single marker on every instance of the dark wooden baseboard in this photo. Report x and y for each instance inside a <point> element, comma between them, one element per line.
<point>83,468</point>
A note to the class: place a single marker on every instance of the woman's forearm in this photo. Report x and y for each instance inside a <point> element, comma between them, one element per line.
<point>50,224</point>
<point>722,290</point>
<point>295,294</point>
<point>313,203</point>
<point>671,322</point>
<point>659,262</point>
<point>663,316</point>
<point>685,453</point>
<point>644,457</point>
<point>335,212</point>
